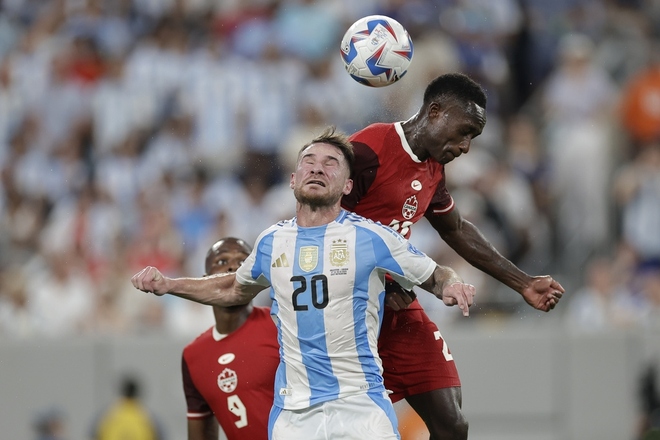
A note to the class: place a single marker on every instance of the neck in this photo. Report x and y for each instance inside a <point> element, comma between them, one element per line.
<point>308,215</point>
<point>411,129</point>
<point>228,319</point>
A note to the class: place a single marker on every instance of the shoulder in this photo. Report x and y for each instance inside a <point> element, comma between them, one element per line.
<point>200,340</point>
<point>267,233</point>
<point>372,133</point>
<point>378,128</point>
<point>365,224</point>
<point>261,314</point>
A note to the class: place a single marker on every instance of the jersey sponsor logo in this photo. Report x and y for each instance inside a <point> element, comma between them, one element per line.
<point>286,391</point>
<point>416,185</point>
<point>227,380</point>
<point>308,258</point>
<point>339,253</point>
<point>409,207</point>
<point>281,261</point>
<point>226,358</point>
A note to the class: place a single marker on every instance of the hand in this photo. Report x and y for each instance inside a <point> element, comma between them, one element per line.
<point>397,297</point>
<point>150,280</point>
<point>543,293</point>
<point>460,294</point>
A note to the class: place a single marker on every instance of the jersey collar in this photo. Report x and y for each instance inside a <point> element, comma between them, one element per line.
<point>217,335</point>
<point>404,142</point>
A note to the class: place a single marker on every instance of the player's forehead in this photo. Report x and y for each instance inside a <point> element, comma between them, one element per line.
<point>467,115</point>
<point>322,150</point>
<point>229,247</point>
<point>472,113</point>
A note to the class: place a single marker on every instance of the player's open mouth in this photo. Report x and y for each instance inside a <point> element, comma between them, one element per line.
<point>316,182</point>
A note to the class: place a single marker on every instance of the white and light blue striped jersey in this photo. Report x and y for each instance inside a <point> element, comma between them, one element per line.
<point>327,286</point>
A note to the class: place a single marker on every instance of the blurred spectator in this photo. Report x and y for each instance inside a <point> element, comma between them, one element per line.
<point>61,297</point>
<point>12,107</point>
<point>271,86</point>
<point>213,94</point>
<point>637,194</point>
<point>124,172</point>
<point>64,106</point>
<point>160,243</point>
<point>15,318</point>
<point>50,424</point>
<point>128,417</point>
<point>640,108</point>
<point>648,427</point>
<point>578,101</point>
<point>307,17</point>
<point>483,32</point>
<point>625,43</point>
<point>578,89</point>
<point>605,301</point>
<point>649,286</point>
<point>115,111</point>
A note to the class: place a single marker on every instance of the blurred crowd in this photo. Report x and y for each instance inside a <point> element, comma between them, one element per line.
<point>137,132</point>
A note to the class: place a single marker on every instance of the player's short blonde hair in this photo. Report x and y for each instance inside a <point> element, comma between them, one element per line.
<point>336,138</point>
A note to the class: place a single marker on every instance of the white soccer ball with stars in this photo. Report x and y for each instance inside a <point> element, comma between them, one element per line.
<point>376,51</point>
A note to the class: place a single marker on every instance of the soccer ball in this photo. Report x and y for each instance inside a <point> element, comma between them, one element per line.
<point>376,51</point>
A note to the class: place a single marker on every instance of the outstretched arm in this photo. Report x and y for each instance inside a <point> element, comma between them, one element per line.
<point>215,290</point>
<point>540,292</point>
<point>445,284</point>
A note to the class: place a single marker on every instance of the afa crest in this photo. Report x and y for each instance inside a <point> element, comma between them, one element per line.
<point>339,253</point>
<point>308,258</point>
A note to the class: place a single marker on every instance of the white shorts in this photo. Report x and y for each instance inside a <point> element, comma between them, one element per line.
<point>364,416</point>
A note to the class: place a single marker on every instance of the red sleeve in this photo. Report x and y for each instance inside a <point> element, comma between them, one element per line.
<point>363,174</point>
<point>196,405</point>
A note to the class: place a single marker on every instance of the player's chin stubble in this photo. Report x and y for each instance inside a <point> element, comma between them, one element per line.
<point>315,201</point>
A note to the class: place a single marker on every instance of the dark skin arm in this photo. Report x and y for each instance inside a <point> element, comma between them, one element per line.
<point>540,292</point>
<point>204,429</point>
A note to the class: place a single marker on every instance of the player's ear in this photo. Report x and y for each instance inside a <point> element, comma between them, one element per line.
<point>293,180</point>
<point>348,186</point>
<point>434,109</point>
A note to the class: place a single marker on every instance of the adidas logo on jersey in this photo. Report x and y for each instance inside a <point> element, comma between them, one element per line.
<point>281,261</point>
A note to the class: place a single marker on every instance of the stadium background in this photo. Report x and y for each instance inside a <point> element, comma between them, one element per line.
<point>136,132</point>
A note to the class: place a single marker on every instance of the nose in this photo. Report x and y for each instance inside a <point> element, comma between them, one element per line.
<point>464,146</point>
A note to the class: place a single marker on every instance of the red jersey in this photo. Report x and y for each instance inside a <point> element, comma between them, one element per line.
<point>234,378</point>
<point>392,186</point>
<point>400,187</point>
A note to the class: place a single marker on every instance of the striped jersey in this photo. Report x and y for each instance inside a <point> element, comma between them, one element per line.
<point>327,287</point>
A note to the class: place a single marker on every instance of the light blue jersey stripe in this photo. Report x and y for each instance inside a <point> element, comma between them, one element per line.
<point>311,324</point>
<point>364,248</point>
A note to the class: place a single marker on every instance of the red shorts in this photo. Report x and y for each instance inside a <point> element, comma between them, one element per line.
<point>415,357</point>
